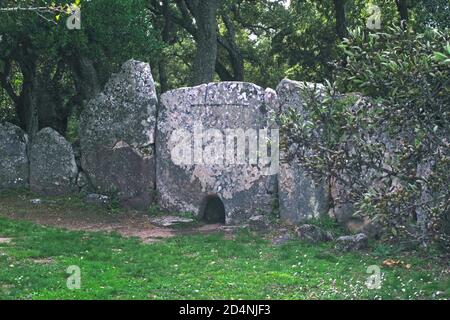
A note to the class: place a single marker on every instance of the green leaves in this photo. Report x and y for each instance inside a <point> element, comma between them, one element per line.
<point>375,145</point>
<point>443,57</point>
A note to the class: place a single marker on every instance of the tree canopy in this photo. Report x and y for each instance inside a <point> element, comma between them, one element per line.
<point>47,71</point>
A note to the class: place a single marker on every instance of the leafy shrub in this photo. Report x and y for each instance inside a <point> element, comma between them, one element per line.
<point>391,150</point>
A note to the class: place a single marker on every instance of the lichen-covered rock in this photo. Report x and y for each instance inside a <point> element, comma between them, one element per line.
<point>368,177</point>
<point>36,201</point>
<point>355,242</point>
<point>199,130</point>
<point>259,223</point>
<point>314,234</point>
<point>370,226</point>
<point>343,209</point>
<point>290,94</point>
<point>117,132</point>
<point>53,170</point>
<point>83,183</point>
<point>13,157</point>
<point>97,199</point>
<point>122,172</point>
<point>170,221</point>
<point>300,196</point>
<point>283,239</point>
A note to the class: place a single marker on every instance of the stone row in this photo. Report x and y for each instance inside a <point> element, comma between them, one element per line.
<point>145,152</point>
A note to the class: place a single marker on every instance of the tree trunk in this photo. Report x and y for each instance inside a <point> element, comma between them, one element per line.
<point>198,18</point>
<point>234,53</point>
<point>339,9</point>
<point>26,105</point>
<point>52,111</point>
<point>163,78</point>
<point>223,72</point>
<point>206,40</point>
<point>87,83</point>
<point>402,7</point>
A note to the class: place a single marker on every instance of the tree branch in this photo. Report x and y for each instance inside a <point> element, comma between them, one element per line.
<point>6,85</point>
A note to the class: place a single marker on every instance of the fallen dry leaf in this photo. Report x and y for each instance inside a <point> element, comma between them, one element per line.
<point>395,263</point>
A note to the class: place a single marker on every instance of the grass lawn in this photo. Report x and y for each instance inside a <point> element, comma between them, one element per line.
<point>34,260</point>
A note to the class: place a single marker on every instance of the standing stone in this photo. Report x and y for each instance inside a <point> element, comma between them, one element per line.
<point>13,157</point>
<point>300,196</point>
<point>198,130</point>
<point>53,170</point>
<point>372,178</point>
<point>83,183</point>
<point>424,171</point>
<point>97,199</point>
<point>355,242</point>
<point>314,234</point>
<point>259,223</point>
<point>117,132</point>
<point>343,209</point>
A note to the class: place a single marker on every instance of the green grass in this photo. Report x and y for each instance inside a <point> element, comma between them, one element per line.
<point>19,201</point>
<point>196,267</point>
<point>33,266</point>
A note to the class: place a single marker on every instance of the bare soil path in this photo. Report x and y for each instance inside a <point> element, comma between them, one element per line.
<point>74,215</point>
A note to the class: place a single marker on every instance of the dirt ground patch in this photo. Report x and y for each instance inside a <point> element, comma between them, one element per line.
<point>43,261</point>
<point>5,240</point>
<point>72,213</point>
<point>129,224</point>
